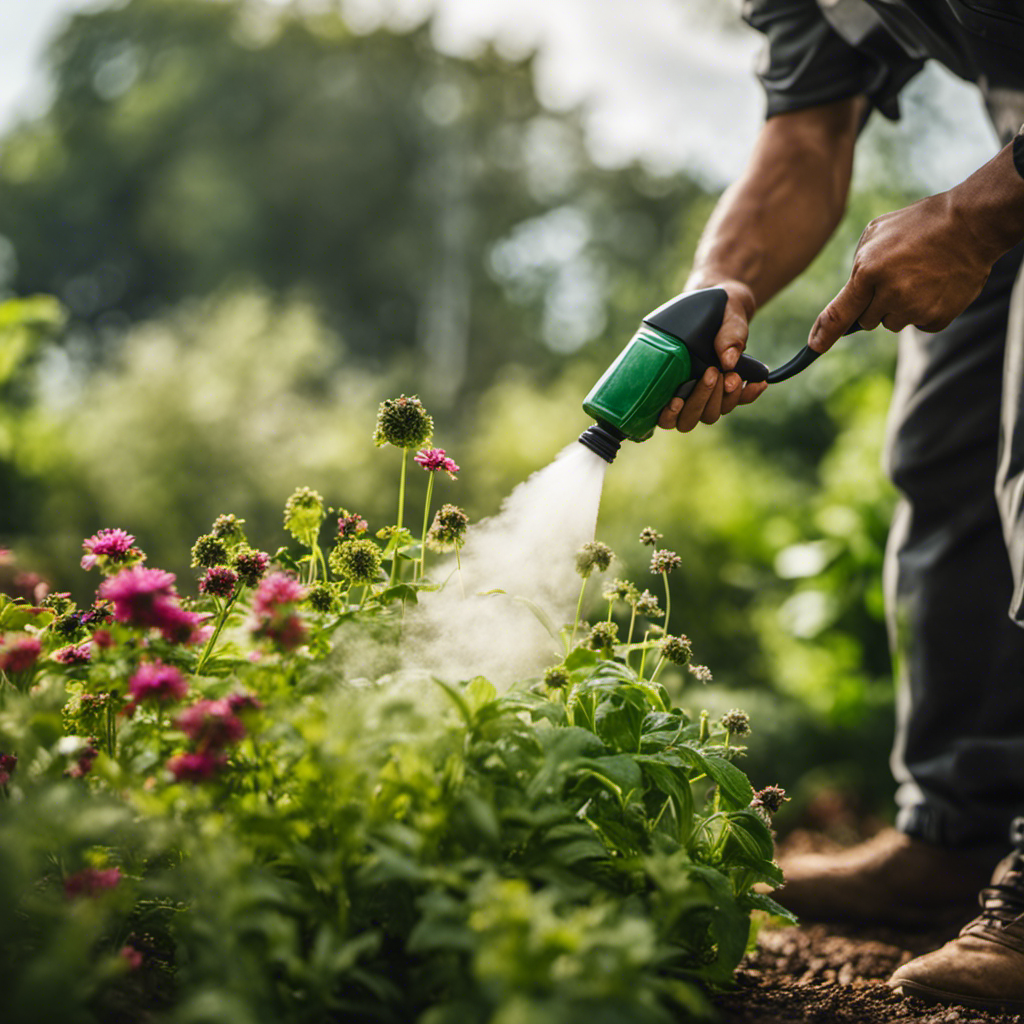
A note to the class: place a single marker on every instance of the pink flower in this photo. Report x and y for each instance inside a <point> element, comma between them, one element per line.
<point>277,589</point>
<point>8,762</point>
<point>159,682</point>
<point>91,882</point>
<point>287,631</point>
<point>103,639</point>
<point>147,597</point>
<point>113,544</point>
<point>195,767</point>
<point>351,525</point>
<point>218,581</point>
<point>19,655</point>
<point>434,459</point>
<point>83,763</point>
<point>240,702</point>
<point>210,724</point>
<point>131,956</point>
<point>73,655</point>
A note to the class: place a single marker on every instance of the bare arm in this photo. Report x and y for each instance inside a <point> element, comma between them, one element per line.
<point>765,230</point>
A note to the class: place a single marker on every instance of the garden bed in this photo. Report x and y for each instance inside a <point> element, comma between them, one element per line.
<point>836,974</point>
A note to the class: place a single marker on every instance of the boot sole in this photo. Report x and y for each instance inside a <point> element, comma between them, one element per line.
<point>928,994</point>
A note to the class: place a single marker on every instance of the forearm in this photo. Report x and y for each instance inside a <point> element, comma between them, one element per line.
<point>774,220</point>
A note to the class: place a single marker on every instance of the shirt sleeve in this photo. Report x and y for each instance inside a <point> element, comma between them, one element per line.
<point>806,62</point>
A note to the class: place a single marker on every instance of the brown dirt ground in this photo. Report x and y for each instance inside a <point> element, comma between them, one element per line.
<point>836,974</point>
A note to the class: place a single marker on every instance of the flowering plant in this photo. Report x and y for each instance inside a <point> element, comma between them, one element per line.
<point>213,814</point>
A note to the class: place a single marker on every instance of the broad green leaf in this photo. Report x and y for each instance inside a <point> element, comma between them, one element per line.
<point>674,784</point>
<point>399,592</point>
<point>479,691</point>
<point>761,901</point>
<point>581,658</point>
<point>541,616</point>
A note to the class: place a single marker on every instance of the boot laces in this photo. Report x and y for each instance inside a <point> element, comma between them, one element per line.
<point>1003,902</point>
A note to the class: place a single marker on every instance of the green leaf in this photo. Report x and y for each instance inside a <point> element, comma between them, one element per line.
<point>619,773</point>
<point>399,592</point>
<point>582,657</point>
<point>479,691</point>
<point>732,783</point>
<point>17,615</point>
<point>457,699</point>
<point>761,901</point>
<point>673,784</point>
<point>541,616</point>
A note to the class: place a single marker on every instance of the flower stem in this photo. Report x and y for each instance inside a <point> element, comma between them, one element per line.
<point>643,655</point>
<point>221,619</point>
<point>426,517</point>
<point>458,563</point>
<point>576,621</point>
<point>611,608</point>
<point>401,511</point>
<point>668,601</point>
<point>657,669</point>
<point>632,623</point>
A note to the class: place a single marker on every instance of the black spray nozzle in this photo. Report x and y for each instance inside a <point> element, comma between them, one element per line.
<point>603,439</point>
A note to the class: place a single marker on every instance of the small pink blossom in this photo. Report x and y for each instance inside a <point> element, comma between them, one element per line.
<point>286,630</point>
<point>103,639</point>
<point>351,525</point>
<point>196,767</point>
<point>210,724</point>
<point>20,654</point>
<point>240,702</point>
<point>113,544</point>
<point>277,589</point>
<point>156,681</point>
<point>91,881</point>
<point>131,956</point>
<point>218,581</point>
<point>73,654</point>
<point>147,597</point>
<point>434,459</point>
<point>84,760</point>
<point>8,762</point>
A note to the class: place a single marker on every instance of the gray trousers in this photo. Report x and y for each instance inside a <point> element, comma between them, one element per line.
<point>955,568</point>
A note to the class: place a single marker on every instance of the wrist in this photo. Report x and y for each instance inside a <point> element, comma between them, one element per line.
<point>738,291</point>
<point>990,203</point>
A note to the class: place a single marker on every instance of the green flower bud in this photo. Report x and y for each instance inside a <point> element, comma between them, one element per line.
<point>736,722</point>
<point>556,677</point>
<point>303,514</point>
<point>620,590</point>
<point>650,536</point>
<point>647,605</point>
<point>403,422</point>
<point>228,528</point>
<point>357,561</point>
<point>209,551</point>
<point>447,529</point>
<point>603,636</point>
<point>591,556</point>
<point>677,649</point>
<point>320,597</point>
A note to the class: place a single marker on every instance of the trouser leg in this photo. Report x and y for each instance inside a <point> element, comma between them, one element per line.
<point>959,750</point>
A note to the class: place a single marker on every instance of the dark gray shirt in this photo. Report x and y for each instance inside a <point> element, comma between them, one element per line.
<point>819,51</point>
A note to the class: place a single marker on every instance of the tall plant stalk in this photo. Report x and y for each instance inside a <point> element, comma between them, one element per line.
<point>426,519</point>
<point>401,515</point>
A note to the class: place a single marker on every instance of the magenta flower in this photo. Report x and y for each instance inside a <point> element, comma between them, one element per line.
<point>287,631</point>
<point>219,581</point>
<point>113,544</point>
<point>137,592</point>
<point>147,597</point>
<point>277,589</point>
<point>19,655</point>
<point>434,459</point>
<point>351,525</point>
<point>251,565</point>
<point>240,702</point>
<point>8,762</point>
<point>210,724</point>
<point>84,761</point>
<point>158,682</point>
<point>73,655</point>
<point>195,767</point>
<point>131,956</point>
<point>91,881</point>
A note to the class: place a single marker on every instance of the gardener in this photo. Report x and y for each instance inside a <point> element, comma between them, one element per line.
<point>955,560</point>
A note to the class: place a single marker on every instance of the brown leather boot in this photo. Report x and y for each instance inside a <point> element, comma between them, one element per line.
<point>984,966</point>
<point>891,879</point>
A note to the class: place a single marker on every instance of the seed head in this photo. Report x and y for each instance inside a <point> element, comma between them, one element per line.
<point>403,422</point>
<point>700,672</point>
<point>677,649</point>
<point>771,798</point>
<point>320,597</point>
<point>67,626</point>
<point>303,514</point>
<point>593,555</point>
<point>736,722</point>
<point>650,536</point>
<point>219,581</point>
<point>251,565</point>
<point>647,605</point>
<point>603,636</point>
<point>57,603</point>
<point>665,561</point>
<point>228,527</point>
<point>209,551</point>
<point>620,590</point>
<point>556,677</point>
<point>448,528</point>
<point>357,561</point>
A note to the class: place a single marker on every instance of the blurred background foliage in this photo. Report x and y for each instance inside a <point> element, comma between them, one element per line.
<point>259,223</point>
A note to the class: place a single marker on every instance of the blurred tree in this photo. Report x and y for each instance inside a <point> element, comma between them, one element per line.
<point>420,200</point>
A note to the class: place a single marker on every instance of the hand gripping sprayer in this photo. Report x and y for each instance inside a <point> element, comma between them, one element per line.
<point>664,360</point>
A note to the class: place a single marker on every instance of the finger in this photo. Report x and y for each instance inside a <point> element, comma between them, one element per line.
<point>693,407</point>
<point>731,340</point>
<point>713,406</point>
<point>669,415</point>
<point>852,300</point>
<point>753,391</point>
<point>733,392</point>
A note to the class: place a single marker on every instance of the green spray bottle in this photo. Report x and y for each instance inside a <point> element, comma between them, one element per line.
<point>664,360</point>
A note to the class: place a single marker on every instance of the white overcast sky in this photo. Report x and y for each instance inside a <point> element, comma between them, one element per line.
<point>659,79</point>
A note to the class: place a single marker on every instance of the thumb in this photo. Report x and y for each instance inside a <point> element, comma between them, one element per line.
<point>839,315</point>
